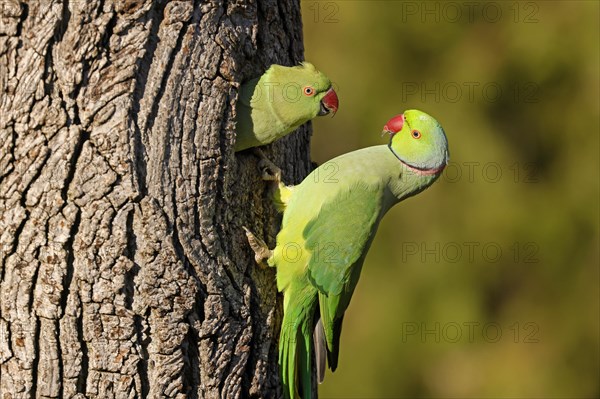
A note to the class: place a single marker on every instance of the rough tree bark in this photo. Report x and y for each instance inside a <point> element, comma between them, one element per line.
<point>124,268</point>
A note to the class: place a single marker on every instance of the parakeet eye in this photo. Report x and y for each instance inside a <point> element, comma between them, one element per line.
<point>308,91</point>
<point>416,134</point>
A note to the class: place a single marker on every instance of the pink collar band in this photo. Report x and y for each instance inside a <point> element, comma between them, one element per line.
<point>419,171</point>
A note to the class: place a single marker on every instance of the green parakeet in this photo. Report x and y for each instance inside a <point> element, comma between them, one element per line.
<point>329,222</point>
<point>281,100</point>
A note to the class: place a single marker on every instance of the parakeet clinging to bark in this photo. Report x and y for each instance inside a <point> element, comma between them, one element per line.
<point>329,222</point>
<point>281,100</point>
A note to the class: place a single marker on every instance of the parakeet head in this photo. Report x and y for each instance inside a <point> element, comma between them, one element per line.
<point>306,88</point>
<point>418,141</point>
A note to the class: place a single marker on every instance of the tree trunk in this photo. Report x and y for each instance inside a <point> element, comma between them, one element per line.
<point>124,269</point>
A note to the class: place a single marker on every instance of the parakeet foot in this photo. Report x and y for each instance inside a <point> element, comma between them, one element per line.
<point>261,251</point>
<point>270,171</point>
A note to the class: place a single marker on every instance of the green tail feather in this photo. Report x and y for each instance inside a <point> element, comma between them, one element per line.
<point>332,329</point>
<point>305,351</point>
<point>287,362</point>
<point>296,348</point>
<point>333,355</point>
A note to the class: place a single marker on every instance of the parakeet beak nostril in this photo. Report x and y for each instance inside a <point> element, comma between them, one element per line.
<point>329,103</point>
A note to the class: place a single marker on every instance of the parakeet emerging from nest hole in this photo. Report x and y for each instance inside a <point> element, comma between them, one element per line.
<point>281,100</point>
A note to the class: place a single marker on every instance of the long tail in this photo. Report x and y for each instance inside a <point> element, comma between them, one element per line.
<point>296,344</point>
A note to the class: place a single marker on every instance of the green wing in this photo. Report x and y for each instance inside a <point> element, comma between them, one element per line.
<point>338,239</point>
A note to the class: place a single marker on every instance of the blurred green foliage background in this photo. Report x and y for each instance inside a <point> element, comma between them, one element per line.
<point>487,284</point>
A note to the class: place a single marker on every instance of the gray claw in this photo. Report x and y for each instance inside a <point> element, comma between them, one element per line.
<point>261,251</point>
<point>269,171</point>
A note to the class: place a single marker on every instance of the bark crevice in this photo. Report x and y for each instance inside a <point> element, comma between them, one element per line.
<point>143,66</point>
<point>142,365</point>
<point>68,278</point>
<point>36,359</point>
<point>84,368</point>
<point>166,74</point>
<point>84,136</point>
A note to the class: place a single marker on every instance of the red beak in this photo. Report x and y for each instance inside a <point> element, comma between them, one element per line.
<point>394,125</point>
<point>329,103</point>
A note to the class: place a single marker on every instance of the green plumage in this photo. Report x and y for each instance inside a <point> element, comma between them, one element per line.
<point>278,102</point>
<point>328,224</point>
